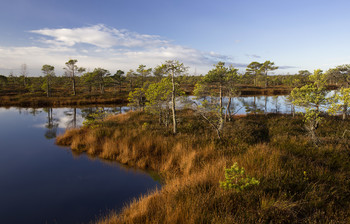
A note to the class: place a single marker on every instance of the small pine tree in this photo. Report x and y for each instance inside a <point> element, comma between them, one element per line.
<point>237,179</point>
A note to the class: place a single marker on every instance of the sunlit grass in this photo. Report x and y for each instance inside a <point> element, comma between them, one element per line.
<point>298,181</point>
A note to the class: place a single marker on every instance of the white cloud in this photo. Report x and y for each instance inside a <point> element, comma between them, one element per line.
<point>253,56</point>
<point>101,46</point>
<point>34,57</point>
<point>98,35</point>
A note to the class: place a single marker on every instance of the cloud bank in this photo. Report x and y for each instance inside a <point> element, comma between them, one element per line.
<point>100,36</point>
<point>102,46</point>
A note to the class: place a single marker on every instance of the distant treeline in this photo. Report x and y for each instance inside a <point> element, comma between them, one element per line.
<point>77,81</point>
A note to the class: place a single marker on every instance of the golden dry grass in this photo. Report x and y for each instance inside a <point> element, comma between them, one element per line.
<point>299,183</point>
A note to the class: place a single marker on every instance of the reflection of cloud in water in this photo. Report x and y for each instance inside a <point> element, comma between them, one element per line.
<point>66,120</point>
<point>5,110</point>
<point>39,125</point>
<point>245,104</point>
<point>64,117</point>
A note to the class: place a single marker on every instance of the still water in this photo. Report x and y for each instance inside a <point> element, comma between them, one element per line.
<point>248,104</point>
<point>44,183</point>
<point>254,104</point>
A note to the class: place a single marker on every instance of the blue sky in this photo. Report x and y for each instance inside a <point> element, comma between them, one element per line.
<point>121,34</point>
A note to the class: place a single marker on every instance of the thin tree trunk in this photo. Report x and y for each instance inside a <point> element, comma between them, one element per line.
<point>166,119</point>
<point>166,116</point>
<point>74,93</point>
<point>51,116</point>
<point>48,118</point>
<point>48,87</point>
<point>228,108</point>
<point>221,125</point>
<point>313,135</point>
<point>101,88</point>
<point>173,105</point>
<point>160,117</point>
<point>345,109</point>
<point>312,127</point>
<point>213,125</point>
<point>256,80</point>
<point>254,105</point>
<point>51,113</point>
<point>75,117</point>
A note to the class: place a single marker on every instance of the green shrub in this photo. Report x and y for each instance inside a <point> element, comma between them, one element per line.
<point>236,179</point>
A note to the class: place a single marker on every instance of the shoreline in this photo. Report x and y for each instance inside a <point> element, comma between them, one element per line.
<point>35,101</point>
<point>39,100</point>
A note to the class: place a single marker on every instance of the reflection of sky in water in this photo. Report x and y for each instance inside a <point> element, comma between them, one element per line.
<point>45,183</point>
<point>62,118</point>
<point>268,104</point>
<point>242,105</point>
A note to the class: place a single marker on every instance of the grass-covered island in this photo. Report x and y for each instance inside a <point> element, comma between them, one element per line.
<point>275,173</point>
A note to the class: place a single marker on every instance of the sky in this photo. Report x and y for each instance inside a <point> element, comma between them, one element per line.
<point>122,34</point>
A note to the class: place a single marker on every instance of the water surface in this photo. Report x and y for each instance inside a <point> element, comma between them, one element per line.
<point>44,183</point>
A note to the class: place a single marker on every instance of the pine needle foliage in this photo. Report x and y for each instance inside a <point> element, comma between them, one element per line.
<point>237,179</point>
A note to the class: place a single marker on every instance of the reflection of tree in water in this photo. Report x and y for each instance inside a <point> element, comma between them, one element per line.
<point>86,112</point>
<point>93,113</point>
<point>265,106</point>
<point>288,102</point>
<point>231,108</point>
<point>90,113</point>
<point>72,114</point>
<point>251,106</point>
<point>51,125</point>
<point>119,110</point>
<point>32,111</point>
<point>276,104</point>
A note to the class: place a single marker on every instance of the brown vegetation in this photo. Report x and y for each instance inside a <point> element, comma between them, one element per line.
<point>298,182</point>
<point>32,100</point>
<point>267,91</point>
